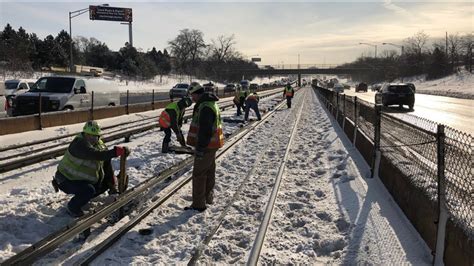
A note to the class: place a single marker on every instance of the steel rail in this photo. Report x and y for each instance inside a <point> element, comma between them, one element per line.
<point>25,161</point>
<point>262,230</point>
<point>107,243</point>
<point>52,241</point>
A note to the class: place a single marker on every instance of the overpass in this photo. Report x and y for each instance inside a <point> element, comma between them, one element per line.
<point>301,71</point>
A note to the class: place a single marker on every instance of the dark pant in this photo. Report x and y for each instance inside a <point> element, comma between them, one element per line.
<point>83,191</point>
<point>167,138</point>
<point>254,106</point>
<point>288,101</point>
<point>204,178</point>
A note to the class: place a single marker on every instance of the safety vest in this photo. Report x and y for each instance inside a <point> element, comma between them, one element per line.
<point>74,168</point>
<point>242,93</point>
<point>165,120</point>
<point>252,97</point>
<point>217,139</point>
<point>288,91</point>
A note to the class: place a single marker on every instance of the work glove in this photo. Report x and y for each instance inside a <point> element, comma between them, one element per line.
<point>121,150</point>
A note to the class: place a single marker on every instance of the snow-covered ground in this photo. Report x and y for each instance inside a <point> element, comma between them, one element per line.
<point>327,210</point>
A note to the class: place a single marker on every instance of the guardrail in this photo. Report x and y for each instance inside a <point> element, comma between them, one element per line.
<point>427,167</point>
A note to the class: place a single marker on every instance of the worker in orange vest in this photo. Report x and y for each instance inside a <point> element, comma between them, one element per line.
<point>172,119</point>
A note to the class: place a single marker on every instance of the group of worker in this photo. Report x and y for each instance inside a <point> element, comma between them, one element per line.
<point>86,170</point>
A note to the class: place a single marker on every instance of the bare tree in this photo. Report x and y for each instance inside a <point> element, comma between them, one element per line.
<point>416,43</point>
<point>467,44</point>
<point>187,47</point>
<point>454,47</point>
<point>222,49</point>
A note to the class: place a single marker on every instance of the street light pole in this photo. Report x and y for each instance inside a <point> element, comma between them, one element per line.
<point>373,45</point>
<point>73,14</point>
<point>396,45</point>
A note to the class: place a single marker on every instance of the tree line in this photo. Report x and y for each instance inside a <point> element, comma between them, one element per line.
<point>442,58</point>
<point>189,54</point>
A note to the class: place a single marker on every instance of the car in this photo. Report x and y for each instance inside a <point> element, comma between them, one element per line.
<point>253,87</point>
<point>396,94</point>
<point>210,87</point>
<point>376,87</point>
<point>244,83</point>
<point>14,87</point>
<point>179,90</point>
<point>338,88</point>
<point>229,87</point>
<point>361,87</point>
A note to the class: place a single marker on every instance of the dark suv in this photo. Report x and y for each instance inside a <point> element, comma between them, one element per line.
<point>396,93</point>
<point>361,87</point>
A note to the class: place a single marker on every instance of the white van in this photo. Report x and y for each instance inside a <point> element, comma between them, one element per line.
<point>65,93</point>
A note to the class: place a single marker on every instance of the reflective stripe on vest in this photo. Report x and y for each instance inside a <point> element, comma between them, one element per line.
<point>74,168</point>
<point>288,91</point>
<point>217,139</point>
<point>165,119</point>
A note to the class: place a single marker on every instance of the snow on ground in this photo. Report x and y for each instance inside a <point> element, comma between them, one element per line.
<point>327,210</point>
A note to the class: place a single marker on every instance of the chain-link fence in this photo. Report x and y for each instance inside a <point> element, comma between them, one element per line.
<point>413,146</point>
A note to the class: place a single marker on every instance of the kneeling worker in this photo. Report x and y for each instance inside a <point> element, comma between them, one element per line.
<point>86,170</point>
<point>172,118</point>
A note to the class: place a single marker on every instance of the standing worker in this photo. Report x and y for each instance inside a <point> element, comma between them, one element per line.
<point>252,102</point>
<point>86,170</point>
<point>205,134</point>
<point>288,92</point>
<point>239,99</point>
<point>172,119</point>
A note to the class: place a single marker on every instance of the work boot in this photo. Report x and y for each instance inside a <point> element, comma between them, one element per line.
<point>165,147</point>
<point>74,213</point>
<point>194,209</point>
<point>55,185</point>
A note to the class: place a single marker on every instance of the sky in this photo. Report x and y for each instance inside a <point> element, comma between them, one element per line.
<point>320,32</point>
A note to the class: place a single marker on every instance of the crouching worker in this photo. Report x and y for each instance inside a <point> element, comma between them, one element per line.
<point>251,102</point>
<point>172,119</point>
<point>86,170</point>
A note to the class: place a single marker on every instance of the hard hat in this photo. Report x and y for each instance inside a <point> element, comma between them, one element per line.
<point>186,101</point>
<point>195,87</point>
<point>92,128</point>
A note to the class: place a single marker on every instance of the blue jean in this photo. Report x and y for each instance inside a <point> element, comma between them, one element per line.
<point>254,106</point>
<point>83,192</point>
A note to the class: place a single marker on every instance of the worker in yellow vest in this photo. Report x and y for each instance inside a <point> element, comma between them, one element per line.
<point>205,134</point>
<point>85,169</point>
<point>288,92</point>
<point>172,119</point>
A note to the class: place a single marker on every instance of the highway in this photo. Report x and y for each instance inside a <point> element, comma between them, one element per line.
<point>453,112</point>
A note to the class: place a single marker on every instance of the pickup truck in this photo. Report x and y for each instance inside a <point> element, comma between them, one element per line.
<point>65,93</point>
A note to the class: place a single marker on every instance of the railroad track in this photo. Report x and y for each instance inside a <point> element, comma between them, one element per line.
<point>51,242</point>
<point>34,152</point>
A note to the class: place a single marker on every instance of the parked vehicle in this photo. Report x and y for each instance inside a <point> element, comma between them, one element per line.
<point>361,87</point>
<point>179,90</point>
<point>3,100</point>
<point>210,87</point>
<point>65,93</point>
<point>229,88</point>
<point>396,93</point>
<point>253,87</point>
<point>244,83</point>
<point>338,88</point>
<point>14,87</point>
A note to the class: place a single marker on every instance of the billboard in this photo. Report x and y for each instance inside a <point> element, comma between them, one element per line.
<point>256,59</point>
<point>110,13</point>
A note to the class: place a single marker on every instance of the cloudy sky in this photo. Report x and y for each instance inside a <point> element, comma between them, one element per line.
<point>277,31</point>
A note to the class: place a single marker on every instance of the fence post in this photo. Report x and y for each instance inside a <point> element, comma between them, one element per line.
<point>442,209</point>
<point>343,111</point>
<point>153,99</point>
<point>92,106</point>
<point>355,120</point>
<point>40,108</point>
<point>126,107</point>
<point>376,151</point>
